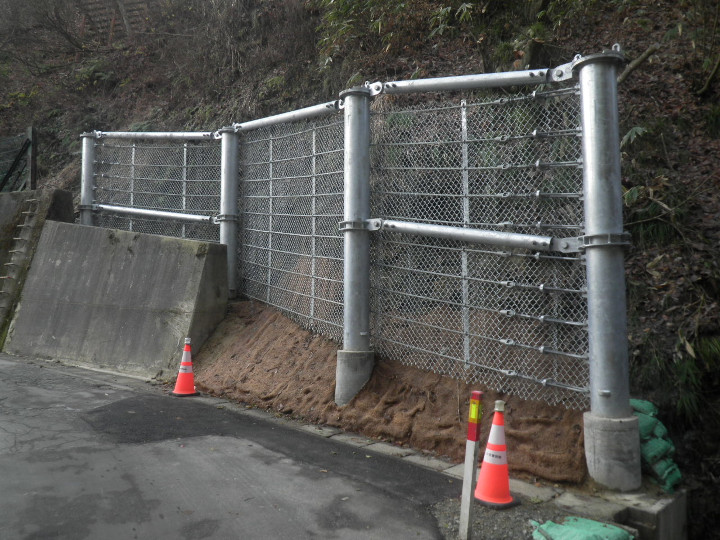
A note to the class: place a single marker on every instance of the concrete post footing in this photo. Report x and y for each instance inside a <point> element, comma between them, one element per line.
<point>612,451</point>
<point>353,371</point>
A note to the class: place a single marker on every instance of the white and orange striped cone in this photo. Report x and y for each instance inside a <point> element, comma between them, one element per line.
<point>185,384</point>
<point>493,484</point>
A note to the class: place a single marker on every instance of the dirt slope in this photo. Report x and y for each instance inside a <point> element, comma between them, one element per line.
<point>260,357</point>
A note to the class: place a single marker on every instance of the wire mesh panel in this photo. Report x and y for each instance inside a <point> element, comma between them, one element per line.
<point>175,176</point>
<point>291,251</point>
<point>14,165</point>
<point>512,319</point>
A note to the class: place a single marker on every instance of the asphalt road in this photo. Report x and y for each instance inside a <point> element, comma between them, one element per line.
<point>93,455</point>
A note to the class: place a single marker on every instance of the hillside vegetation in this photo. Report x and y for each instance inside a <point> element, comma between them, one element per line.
<point>202,64</point>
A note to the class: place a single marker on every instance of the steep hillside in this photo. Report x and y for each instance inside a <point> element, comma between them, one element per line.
<point>202,64</point>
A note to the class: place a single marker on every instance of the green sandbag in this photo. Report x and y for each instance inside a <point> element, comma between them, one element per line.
<point>655,446</point>
<point>576,528</point>
<point>645,407</point>
<point>647,425</point>
<point>672,479</point>
<point>662,468</point>
<point>660,431</point>
<point>667,474</point>
<point>656,449</point>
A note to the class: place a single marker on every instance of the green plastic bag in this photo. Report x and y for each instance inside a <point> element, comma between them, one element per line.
<point>667,474</point>
<point>656,449</point>
<point>660,431</point>
<point>647,425</point>
<point>645,407</point>
<point>577,528</point>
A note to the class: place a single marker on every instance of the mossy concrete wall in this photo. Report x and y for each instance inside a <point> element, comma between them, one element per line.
<point>118,300</point>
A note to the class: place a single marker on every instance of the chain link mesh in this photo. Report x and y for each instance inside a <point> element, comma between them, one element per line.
<point>509,318</point>
<point>291,200</point>
<point>512,319</point>
<point>173,176</point>
<point>10,158</point>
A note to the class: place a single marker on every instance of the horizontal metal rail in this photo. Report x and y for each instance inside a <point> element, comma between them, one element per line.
<point>161,214</point>
<point>315,111</point>
<point>470,82</point>
<point>472,236</point>
<point>154,135</point>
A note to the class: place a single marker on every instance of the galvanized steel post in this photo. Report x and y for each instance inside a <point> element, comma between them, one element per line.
<point>228,217</point>
<point>87,179</point>
<point>355,361</point>
<point>612,442</point>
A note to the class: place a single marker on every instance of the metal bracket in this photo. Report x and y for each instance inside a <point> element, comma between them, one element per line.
<point>563,72</point>
<point>375,88</point>
<point>600,240</point>
<point>361,225</point>
<point>565,245</point>
<point>224,217</point>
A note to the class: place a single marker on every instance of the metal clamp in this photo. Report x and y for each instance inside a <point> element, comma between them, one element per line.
<point>91,207</point>
<point>566,245</point>
<point>563,72</point>
<point>361,225</point>
<point>224,217</point>
<point>375,88</point>
<point>600,240</point>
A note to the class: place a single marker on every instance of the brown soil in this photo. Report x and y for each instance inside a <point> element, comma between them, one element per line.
<point>260,357</point>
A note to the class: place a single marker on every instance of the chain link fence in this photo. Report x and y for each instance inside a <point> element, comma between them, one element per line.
<point>291,250</point>
<point>512,319</point>
<point>169,176</point>
<point>17,162</point>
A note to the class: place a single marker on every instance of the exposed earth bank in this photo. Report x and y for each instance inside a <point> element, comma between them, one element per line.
<point>259,357</point>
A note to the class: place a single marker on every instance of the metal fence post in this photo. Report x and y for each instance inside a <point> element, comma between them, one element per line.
<point>466,222</point>
<point>612,441</point>
<point>87,179</point>
<point>228,217</point>
<point>32,158</point>
<point>355,361</point>
<point>133,155</point>
<point>184,180</point>
<point>313,212</point>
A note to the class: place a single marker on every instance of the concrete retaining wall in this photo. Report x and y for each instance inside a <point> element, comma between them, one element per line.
<point>22,217</point>
<point>118,300</point>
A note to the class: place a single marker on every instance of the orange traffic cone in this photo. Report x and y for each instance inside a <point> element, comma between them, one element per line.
<point>493,484</point>
<point>185,385</point>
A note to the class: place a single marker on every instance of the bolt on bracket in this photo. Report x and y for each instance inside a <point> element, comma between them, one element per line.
<point>563,72</point>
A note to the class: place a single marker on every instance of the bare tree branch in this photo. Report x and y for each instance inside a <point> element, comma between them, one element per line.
<point>632,66</point>
<point>708,82</point>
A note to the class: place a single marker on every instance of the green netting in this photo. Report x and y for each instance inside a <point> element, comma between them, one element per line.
<point>576,528</point>
<point>645,407</point>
